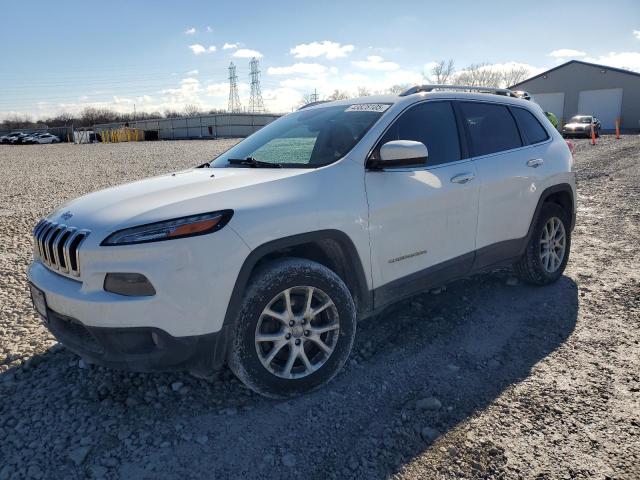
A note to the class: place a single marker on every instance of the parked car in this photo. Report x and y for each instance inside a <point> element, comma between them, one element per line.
<point>580,125</point>
<point>19,139</point>
<point>266,257</point>
<point>8,138</point>
<point>42,138</point>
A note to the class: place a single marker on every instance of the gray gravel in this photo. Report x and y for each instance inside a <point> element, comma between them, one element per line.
<point>487,378</point>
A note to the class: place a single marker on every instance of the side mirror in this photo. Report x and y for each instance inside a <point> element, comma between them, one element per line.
<point>400,153</point>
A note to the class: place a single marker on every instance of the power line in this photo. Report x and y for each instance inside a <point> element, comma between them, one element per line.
<point>256,105</point>
<point>234,98</point>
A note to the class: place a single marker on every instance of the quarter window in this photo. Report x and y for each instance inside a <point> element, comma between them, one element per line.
<point>530,127</point>
<point>432,123</point>
<point>491,127</point>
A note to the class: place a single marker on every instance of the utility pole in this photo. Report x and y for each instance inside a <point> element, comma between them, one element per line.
<point>314,95</point>
<point>256,105</point>
<point>234,98</point>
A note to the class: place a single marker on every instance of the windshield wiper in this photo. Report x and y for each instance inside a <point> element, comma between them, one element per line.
<point>252,162</point>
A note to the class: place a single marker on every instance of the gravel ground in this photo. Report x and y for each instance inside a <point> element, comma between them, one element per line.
<point>487,378</point>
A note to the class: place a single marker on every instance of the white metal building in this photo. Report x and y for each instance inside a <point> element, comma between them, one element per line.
<point>578,87</point>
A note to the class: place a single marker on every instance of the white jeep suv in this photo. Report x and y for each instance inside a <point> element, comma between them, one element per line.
<point>266,257</point>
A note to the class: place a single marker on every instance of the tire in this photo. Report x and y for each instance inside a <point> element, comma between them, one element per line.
<point>249,357</point>
<point>535,267</point>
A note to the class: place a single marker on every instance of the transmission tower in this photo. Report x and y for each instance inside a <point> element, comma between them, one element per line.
<point>234,98</point>
<point>256,105</point>
<point>314,96</point>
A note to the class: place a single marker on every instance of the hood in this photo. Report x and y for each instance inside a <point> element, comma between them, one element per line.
<point>577,125</point>
<point>167,196</point>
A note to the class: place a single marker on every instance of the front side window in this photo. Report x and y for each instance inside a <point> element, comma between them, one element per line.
<point>491,127</point>
<point>432,123</point>
<point>530,127</point>
<point>307,138</point>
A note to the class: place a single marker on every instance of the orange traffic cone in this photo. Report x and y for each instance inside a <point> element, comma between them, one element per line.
<point>593,135</point>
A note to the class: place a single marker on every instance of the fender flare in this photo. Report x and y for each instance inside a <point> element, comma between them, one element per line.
<point>561,187</point>
<point>354,268</point>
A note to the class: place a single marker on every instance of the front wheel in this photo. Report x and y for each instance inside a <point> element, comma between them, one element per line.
<point>294,330</point>
<point>547,252</point>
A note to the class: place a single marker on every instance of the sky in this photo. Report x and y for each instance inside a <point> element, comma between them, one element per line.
<point>162,54</point>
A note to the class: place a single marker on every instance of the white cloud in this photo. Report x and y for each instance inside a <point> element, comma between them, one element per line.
<point>627,60</point>
<point>197,49</point>
<point>190,31</point>
<point>217,89</point>
<point>375,62</point>
<point>221,89</point>
<point>636,33</point>
<point>298,69</point>
<point>209,29</point>
<point>567,53</point>
<point>228,46</point>
<point>330,50</point>
<point>247,53</point>
<point>302,83</point>
<point>281,99</point>
<point>192,72</point>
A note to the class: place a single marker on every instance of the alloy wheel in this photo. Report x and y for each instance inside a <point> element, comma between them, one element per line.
<point>553,244</point>
<point>297,332</point>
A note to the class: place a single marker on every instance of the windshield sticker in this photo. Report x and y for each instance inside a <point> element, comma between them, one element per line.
<point>368,107</point>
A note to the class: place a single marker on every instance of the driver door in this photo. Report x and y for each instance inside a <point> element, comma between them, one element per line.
<point>422,220</point>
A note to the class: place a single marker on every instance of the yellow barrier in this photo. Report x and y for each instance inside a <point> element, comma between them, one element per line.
<point>124,134</point>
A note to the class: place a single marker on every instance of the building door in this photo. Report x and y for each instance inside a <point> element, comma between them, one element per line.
<point>604,104</point>
<point>552,102</point>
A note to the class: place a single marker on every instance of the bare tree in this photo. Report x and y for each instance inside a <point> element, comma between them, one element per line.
<point>396,89</point>
<point>515,75</point>
<point>363,92</point>
<point>480,75</point>
<point>443,71</point>
<point>306,99</point>
<point>168,113</point>
<point>338,95</point>
<point>191,110</point>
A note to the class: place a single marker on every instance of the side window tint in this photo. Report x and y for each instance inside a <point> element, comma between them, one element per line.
<point>530,126</point>
<point>432,123</point>
<point>491,127</point>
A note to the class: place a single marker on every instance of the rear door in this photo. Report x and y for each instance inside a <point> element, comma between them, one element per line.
<point>422,217</point>
<point>509,166</point>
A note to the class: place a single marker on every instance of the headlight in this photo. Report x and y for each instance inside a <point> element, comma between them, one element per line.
<point>170,229</point>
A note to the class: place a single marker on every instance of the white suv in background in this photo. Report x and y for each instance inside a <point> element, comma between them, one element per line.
<point>266,257</point>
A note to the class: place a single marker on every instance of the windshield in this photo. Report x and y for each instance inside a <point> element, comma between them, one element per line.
<point>305,139</point>
<point>581,120</point>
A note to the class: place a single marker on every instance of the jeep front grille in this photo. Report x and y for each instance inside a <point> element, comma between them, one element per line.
<point>57,246</point>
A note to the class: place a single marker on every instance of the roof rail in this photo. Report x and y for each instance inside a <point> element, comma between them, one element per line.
<point>465,88</point>
<point>313,104</point>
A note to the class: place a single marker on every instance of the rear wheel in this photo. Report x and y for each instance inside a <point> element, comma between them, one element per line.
<point>547,252</point>
<point>294,330</point>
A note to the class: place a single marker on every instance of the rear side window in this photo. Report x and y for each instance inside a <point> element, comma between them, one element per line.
<point>530,127</point>
<point>432,123</point>
<point>491,127</point>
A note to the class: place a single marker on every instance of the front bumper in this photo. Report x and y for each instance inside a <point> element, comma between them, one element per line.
<point>576,133</point>
<point>140,349</point>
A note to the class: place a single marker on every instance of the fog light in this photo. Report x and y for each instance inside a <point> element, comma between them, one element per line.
<point>129,284</point>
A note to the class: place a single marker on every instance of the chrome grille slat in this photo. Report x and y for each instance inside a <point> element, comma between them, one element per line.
<point>51,239</point>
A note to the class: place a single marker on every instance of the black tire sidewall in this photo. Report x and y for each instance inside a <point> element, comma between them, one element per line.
<point>265,285</point>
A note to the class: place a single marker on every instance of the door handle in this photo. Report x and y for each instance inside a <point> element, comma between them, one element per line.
<point>535,162</point>
<point>463,178</point>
